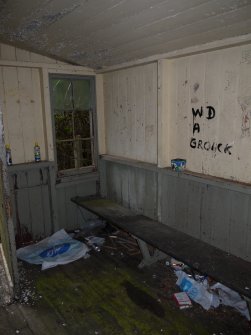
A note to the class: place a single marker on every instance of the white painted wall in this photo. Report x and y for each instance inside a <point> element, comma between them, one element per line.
<point>25,100</point>
<point>130,100</point>
<point>221,79</point>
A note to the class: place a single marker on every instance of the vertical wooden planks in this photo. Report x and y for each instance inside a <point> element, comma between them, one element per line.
<point>3,107</point>
<point>222,80</point>
<point>22,55</point>
<point>165,84</point>
<point>24,124</point>
<point>139,117</point>
<point>247,232</point>
<point>25,85</point>
<point>167,198</point>
<point>12,98</point>
<point>8,52</point>
<point>239,224</point>
<point>195,192</point>
<point>150,88</point>
<point>130,97</point>
<point>37,113</point>
<point>100,114</point>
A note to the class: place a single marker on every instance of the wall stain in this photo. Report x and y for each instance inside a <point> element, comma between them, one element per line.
<point>194,100</point>
<point>196,86</point>
<point>245,104</point>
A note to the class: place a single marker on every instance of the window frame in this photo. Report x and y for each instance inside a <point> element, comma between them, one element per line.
<point>85,169</point>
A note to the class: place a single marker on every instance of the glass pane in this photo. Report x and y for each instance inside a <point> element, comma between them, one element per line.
<point>86,153</point>
<point>65,156</point>
<point>63,125</point>
<point>62,94</point>
<point>81,94</point>
<point>82,124</point>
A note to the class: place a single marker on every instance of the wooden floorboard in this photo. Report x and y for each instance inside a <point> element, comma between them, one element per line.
<point>107,294</point>
<point>230,270</point>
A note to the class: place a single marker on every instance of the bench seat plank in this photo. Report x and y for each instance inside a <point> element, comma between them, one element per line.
<point>230,270</point>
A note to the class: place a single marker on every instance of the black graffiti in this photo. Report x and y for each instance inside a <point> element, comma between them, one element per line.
<point>199,112</point>
<point>208,146</point>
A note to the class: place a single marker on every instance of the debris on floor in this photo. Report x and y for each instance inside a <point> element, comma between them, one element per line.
<point>199,290</point>
<point>182,300</point>
<point>231,298</point>
<point>60,248</point>
<point>124,242</point>
<point>108,294</point>
<point>95,242</point>
<point>90,226</point>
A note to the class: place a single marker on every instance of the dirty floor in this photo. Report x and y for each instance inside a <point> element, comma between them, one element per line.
<point>107,294</point>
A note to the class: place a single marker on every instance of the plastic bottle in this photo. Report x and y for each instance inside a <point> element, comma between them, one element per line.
<point>8,155</point>
<point>37,152</point>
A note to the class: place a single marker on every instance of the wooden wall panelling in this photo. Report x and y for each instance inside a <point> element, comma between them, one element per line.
<point>12,98</point>
<point>195,195</point>
<point>239,225</point>
<point>8,52</point>
<point>150,89</point>
<point>139,118</point>
<point>22,55</point>
<point>130,97</point>
<point>3,106</point>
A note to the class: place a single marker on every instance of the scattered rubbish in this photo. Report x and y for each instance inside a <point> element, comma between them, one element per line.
<point>231,298</point>
<point>197,291</point>
<point>89,225</point>
<point>178,164</point>
<point>95,242</point>
<point>55,250</point>
<point>122,241</point>
<point>182,300</point>
<point>177,265</point>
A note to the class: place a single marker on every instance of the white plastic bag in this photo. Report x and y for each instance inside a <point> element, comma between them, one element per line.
<point>197,291</point>
<point>57,249</point>
<point>231,298</point>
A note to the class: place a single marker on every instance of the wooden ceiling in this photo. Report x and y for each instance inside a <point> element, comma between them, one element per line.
<point>100,33</point>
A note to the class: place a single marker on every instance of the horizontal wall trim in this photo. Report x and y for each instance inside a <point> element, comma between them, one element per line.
<point>207,47</point>
<point>187,175</point>
<point>209,180</point>
<point>29,166</point>
<point>77,179</point>
<point>46,65</point>
<point>130,162</point>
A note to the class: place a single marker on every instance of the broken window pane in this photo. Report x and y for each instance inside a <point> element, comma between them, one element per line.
<point>81,95</point>
<point>73,121</point>
<point>62,94</point>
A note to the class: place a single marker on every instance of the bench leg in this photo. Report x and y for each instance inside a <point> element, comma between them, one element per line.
<point>149,259</point>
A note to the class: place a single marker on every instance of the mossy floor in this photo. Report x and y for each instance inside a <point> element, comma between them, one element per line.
<point>107,295</point>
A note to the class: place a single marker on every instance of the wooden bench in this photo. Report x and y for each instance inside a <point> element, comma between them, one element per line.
<point>230,270</point>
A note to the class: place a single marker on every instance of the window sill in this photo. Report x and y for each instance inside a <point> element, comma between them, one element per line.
<point>74,176</point>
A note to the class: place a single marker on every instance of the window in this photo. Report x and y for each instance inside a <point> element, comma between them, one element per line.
<point>74,122</point>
